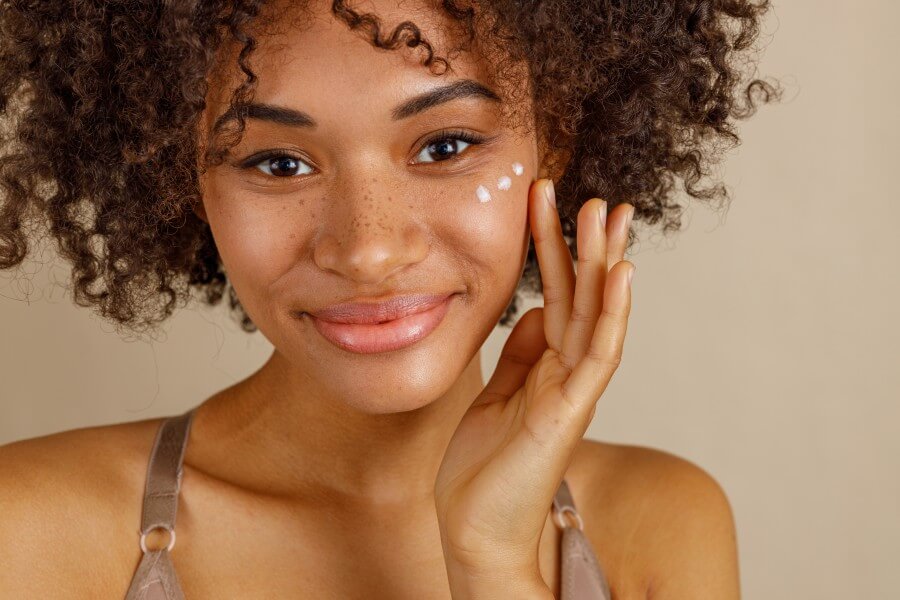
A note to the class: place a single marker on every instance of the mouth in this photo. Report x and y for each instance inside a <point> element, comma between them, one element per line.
<point>384,335</point>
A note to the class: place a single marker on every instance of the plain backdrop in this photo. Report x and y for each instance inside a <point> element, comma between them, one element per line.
<point>764,342</point>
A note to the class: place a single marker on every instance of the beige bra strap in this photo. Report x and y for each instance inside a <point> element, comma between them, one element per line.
<point>164,477</point>
<point>581,574</point>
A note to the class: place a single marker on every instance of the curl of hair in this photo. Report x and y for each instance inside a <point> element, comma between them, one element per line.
<point>99,105</point>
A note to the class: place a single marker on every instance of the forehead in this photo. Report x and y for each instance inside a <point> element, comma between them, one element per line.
<point>309,55</point>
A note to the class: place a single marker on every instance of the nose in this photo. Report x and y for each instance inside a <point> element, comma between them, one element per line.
<point>369,236</point>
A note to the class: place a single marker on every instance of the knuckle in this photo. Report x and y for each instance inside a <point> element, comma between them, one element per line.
<point>615,313</point>
<point>553,294</point>
<point>595,355</point>
<point>533,435</point>
<point>581,315</point>
<point>608,360</point>
<point>566,361</point>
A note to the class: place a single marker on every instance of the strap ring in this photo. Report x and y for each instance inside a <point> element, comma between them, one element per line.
<point>171,537</point>
<point>557,517</point>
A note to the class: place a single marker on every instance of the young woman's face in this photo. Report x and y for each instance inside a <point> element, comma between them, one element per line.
<point>344,189</point>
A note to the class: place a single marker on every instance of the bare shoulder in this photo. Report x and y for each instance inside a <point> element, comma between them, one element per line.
<point>69,501</point>
<point>662,525</point>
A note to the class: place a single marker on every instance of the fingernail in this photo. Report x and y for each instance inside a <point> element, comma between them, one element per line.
<point>631,275</point>
<point>603,214</point>
<point>550,193</point>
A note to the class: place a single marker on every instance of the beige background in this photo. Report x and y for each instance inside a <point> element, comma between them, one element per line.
<point>764,343</point>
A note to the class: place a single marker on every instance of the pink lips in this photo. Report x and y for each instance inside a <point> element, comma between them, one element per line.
<point>379,327</point>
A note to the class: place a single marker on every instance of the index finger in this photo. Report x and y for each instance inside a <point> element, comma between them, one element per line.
<point>554,261</point>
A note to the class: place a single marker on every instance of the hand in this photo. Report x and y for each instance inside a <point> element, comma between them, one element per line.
<point>511,449</point>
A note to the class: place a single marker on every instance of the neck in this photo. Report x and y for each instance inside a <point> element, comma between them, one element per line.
<point>276,433</point>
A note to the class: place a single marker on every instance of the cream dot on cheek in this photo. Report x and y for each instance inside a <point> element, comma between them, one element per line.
<point>518,169</point>
<point>483,194</point>
<point>503,183</point>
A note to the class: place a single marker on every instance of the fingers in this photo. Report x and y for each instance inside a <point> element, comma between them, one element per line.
<point>600,246</point>
<point>557,271</point>
<point>555,262</point>
<point>584,321</point>
<point>591,279</point>
<point>589,378</point>
<point>522,349</point>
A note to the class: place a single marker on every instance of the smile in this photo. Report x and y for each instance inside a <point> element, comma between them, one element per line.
<point>369,338</point>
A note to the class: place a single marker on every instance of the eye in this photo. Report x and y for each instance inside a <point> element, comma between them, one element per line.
<point>446,145</point>
<point>277,164</point>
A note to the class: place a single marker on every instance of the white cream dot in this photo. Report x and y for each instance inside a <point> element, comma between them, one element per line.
<point>518,169</point>
<point>483,194</point>
<point>503,183</point>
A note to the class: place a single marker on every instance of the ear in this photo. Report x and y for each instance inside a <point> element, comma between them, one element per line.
<point>200,210</point>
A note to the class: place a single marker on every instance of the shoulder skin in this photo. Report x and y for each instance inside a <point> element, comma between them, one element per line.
<point>661,525</point>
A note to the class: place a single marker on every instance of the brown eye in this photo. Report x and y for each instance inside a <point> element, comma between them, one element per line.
<point>446,145</point>
<point>280,165</point>
<point>442,149</point>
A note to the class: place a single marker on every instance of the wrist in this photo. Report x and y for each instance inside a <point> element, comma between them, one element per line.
<point>492,590</point>
<point>487,584</point>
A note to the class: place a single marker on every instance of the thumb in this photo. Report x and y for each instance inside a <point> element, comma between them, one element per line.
<point>523,348</point>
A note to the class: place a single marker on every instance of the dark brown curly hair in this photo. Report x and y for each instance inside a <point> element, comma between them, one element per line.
<point>100,101</point>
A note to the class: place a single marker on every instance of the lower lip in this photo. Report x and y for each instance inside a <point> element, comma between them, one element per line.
<point>368,338</point>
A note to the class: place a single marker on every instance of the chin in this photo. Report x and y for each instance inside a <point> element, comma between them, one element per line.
<point>397,390</point>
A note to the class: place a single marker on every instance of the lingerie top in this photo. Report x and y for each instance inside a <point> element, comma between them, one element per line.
<point>582,577</point>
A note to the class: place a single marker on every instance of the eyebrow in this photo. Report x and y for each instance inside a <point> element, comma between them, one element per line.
<point>283,115</point>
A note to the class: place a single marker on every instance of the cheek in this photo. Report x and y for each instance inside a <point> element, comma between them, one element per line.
<point>500,181</point>
<point>490,216</point>
<point>256,242</point>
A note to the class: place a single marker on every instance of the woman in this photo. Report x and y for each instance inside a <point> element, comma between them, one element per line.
<point>377,183</point>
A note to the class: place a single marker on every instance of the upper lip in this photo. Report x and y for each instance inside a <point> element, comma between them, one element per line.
<point>389,309</point>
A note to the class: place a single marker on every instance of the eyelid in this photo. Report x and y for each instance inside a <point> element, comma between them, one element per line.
<point>451,133</point>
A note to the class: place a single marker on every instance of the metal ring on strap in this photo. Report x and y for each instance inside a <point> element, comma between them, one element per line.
<point>171,538</point>
<point>557,516</point>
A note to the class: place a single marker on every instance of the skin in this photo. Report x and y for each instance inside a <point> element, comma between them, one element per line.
<point>324,462</point>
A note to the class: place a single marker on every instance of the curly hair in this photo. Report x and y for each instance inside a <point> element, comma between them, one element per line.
<point>100,100</point>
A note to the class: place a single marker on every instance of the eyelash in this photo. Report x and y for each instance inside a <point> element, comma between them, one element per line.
<point>449,134</point>
<point>454,134</point>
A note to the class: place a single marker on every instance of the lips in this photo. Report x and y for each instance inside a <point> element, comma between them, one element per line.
<point>367,327</point>
<point>377,312</point>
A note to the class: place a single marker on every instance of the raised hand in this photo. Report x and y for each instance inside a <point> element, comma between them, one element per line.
<point>512,448</point>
